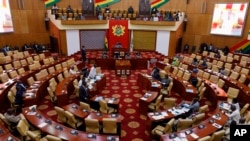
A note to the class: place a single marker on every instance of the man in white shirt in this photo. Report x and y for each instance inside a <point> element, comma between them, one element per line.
<point>234,115</point>
<point>92,72</point>
<point>71,70</point>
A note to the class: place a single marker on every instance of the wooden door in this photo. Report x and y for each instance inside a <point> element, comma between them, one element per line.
<point>88,7</point>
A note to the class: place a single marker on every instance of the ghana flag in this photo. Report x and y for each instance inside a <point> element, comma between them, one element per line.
<point>243,45</point>
<point>106,45</point>
<point>104,3</point>
<point>158,3</point>
<point>49,3</point>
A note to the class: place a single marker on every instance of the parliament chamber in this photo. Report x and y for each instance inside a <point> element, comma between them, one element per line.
<point>125,48</point>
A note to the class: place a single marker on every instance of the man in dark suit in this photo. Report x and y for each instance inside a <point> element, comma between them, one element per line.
<point>83,93</point>
<point>83,53</point>
<point>156,74</point>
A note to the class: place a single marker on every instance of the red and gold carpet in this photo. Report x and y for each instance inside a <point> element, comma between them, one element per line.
<point>133,126</point>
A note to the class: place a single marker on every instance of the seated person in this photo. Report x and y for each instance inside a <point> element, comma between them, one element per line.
<point>156,74</point>
<point>100,16</point>
<point>72,70</point>
<point>222,71</point>
<point>165,81</point>
<point>107,9</point>
<point>118,45</point>
<point>154,10</point>
<point>175,62</point>
<point>130,10</point>
<point>137,55</point>
<point>193,106</point>
<point>83,92</point>
<point>69,9</point>
<point>203,65</point>
<point>11,117</point>
<point>92,72</point>
<point>54,8</point>
<point>195,62</point>
<point>127,55</point>
<point>195,70</point>
<point>193,80</point>
<point>104,55</point>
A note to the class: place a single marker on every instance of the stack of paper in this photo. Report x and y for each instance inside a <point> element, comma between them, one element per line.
<point>194,136</point>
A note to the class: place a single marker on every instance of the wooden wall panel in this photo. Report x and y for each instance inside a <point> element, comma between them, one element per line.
<point>30,21</point>
<point>20,21</point>
<point>63,43</point>
<point>36,21</point>
<point>198,26</point>
<point>144,40</point>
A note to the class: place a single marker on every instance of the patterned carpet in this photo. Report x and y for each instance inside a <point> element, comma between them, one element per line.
<point>126,89</point>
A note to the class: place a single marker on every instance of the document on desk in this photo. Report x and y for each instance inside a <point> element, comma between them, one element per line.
<point>177,139</point>
<point>98,98</point>
<point>143,98</point>
<point>42,124</point>
<point>164,114</point>
<point>194,136</point>
<point>216,117</point>
<point>189,90</point>
<point>183,135</point>
<point>217,125</point>
<point>157,117</point>
<point>154,84</point>
<point>111,101</point>
<point>31,113</point>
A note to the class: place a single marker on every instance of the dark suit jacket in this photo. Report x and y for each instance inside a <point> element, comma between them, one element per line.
<point>83,94</point>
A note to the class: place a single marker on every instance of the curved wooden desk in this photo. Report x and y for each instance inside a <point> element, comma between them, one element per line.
<point>186,90</point>
<point>112,102</point>
<point>144,101</point>
<point>64,88</point>
<point>39,89</point>
<point>214,93</point>
<point>163,116</point>
<point>49,126</point>
<point>5,134</point>
<point>80,113</point>
<point>146,82</point>
<point>208,129</point>
<point>244,90</point>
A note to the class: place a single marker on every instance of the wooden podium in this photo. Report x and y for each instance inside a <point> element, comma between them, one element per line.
<point>121,51</point>
<point>122,67</point>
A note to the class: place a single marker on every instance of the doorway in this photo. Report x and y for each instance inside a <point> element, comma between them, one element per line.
<point>88,7</point>
<point>54,44</point>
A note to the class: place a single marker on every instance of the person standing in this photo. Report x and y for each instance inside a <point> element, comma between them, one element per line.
<point>97,10</point>
<point>83,52</point>
<point>20,89</point>
<point>233,115</point>
<point>83,92</point>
